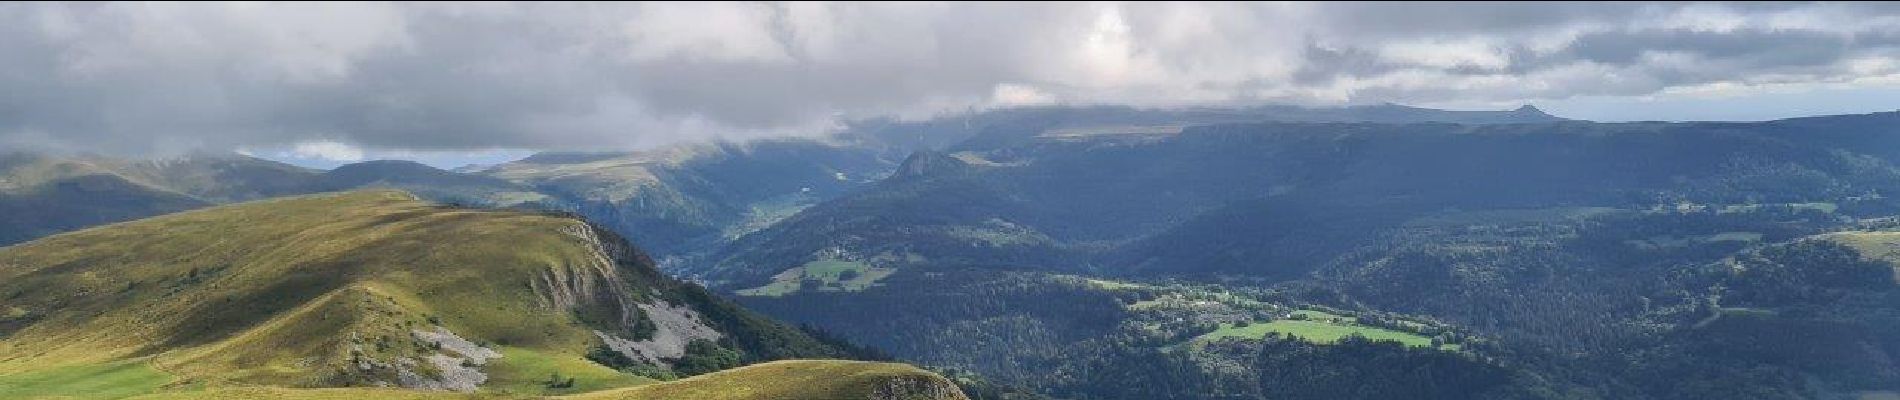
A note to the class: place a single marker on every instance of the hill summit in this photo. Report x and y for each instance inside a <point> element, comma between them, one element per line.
<point>367,288</point>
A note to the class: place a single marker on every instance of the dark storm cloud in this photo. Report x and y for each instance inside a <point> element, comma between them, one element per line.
<point>134,77</point>
<point>1764,49</point>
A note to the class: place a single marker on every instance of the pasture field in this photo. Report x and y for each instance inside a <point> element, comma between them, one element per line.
<point>830,275</point>
<point>1318,327</point>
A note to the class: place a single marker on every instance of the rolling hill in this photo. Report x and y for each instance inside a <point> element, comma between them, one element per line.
<point>366,288</point>
<point>44,194</point>
<point>797,379</point>
<point>1302,192</point>
<point>41,195</point>
<point>1579,252</point>
<point>681,200</point>
<point>778,380</point>
<point>1116,253</point>
<point>434,184</point>
<point>1004,127</point>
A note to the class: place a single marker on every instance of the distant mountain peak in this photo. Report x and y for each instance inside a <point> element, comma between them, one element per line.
<point>571,157</point>
<point>925,163</point>
<point>1530,110</point>
<point>389,164</point>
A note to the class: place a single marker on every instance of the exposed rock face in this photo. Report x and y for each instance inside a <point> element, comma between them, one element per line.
<point>456,365</point>
<point>916,388</point>
<point>675,327</point>
<point>451,375</point>
<point>598,285</point>
<point>594,283</point>
<point>457,345</point>
<point>368,288</point>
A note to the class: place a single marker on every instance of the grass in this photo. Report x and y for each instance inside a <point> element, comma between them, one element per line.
<point>243,301</point>
<point>1505,216</point>
<point>521,371</point>
<point>1316,315</point>
<point>829,274</point>
<point>1735,237</point>
<point>260,393</point>
<point>1873,245</point>
<point>1657,242</point>
<point>762,214</point>
<point>797,379</point>
<point>276,292</point>
<point>1881,246</point>
<point>103,381</point>
<point>1109,285</point>
<point>1825,207</point>
<point>780,380</point>
<point>1316,332</point>
<point>1318,327</point>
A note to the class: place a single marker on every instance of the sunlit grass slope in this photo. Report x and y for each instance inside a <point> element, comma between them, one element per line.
<point>1321,328</point>
<point>780,380</point>
<point>326,292</point>
<point>103,381</point>
<point>824,275</point>
<point>282,292</point>
<point>307,291</point>
<point>1883,246</point>
<point>797,379</point>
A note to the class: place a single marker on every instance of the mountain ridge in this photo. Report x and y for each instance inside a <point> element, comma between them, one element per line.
<point>367,288</point>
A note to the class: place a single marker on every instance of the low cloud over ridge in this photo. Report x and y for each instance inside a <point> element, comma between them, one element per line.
<point>136,77</point>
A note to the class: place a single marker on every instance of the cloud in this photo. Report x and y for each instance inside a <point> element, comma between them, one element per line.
<point>325,150</point>
<point>167,77</point>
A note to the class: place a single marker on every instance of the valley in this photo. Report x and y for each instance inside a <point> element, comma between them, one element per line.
<point>1044,255</point>
<point>1541,254</point>
<point>950,200</point>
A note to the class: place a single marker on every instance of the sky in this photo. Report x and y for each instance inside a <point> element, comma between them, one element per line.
<point>457,83</point>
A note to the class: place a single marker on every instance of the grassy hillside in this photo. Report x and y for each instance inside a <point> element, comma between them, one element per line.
<point>42,195</point>
<point>259,393</point>
<point>434,184</point>
<point>100,381</point>
<point>356,289</point>
<point>781,380</point>
<point>801,379</point>
<point>683,199</point>
<point>71,203</point>
<point>1882,246</point>
<point>1317,331</point>
<point>830,275</point>
<point>217,178</point>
